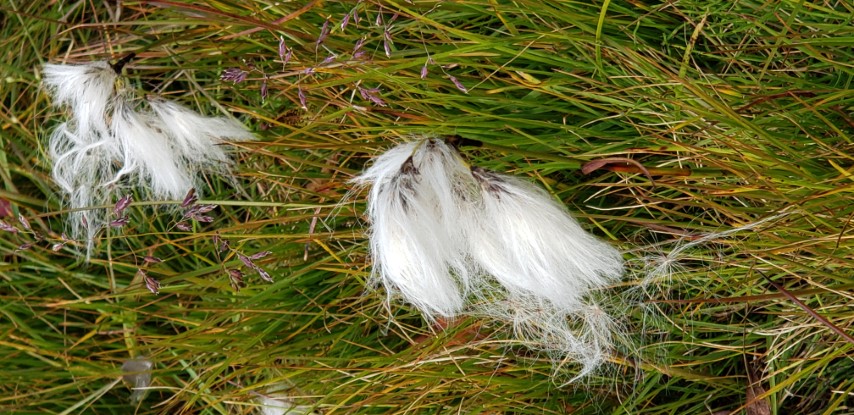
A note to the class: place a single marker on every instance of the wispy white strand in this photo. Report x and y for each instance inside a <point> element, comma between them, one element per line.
<point>148,155</point>
<point>81,148</point>
<point>107,144</point>
<point>198,138</point>
<point>666,265</point>
<point>456,240</point>
<point>583,336</point>
<point>80,159</point>
<point>530,244</point>
<point>88,89</point>
<point>410,252</point>
<point>446,188</point>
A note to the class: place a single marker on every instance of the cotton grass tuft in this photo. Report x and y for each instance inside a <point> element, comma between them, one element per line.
<point>198,139</point>
<point>454,240</point>
<point>109,144</point>
<point>89,90</point>
<point>532,245</point>
<point>411,248</point>
<point>148,155</point>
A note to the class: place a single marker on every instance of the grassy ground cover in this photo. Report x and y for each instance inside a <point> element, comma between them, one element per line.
<point>736,229</point>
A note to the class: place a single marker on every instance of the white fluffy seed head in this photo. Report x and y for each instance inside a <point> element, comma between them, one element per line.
<point>148,155</point>
<point>89,89</point>
<point>447,189</point>
<point>532,245</point>
<point>451,239</point>
<point>81,159</point>
<point>197,138</point>
<point>487,223</point>
<point>107,144</point>
<point>82,150</point>
<point>411,250</point>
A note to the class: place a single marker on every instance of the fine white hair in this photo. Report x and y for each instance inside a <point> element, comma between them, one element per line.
<point>88,89</point>
<point>583,336</point>
<point>197,138</point>
<point>530,244</point>
<point>148,155</point>
<point>409,245</point>
<point>108,144</point>
<point>82,148</point>
<point>458,240</point>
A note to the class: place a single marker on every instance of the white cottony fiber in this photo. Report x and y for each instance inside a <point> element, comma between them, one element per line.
<point>149,155</point>
<point>198,138</point>
<point>446,188</point>
<point>583,336</point>
<point>81,148</point>
<point>410,248</point>
<point>80,158</point>
<point>108,145</point>
<point>88,89</point>
<point>453,240</point>
<point>530,244</point>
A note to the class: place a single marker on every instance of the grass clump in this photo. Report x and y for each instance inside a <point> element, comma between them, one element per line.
<point>740,114</point>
